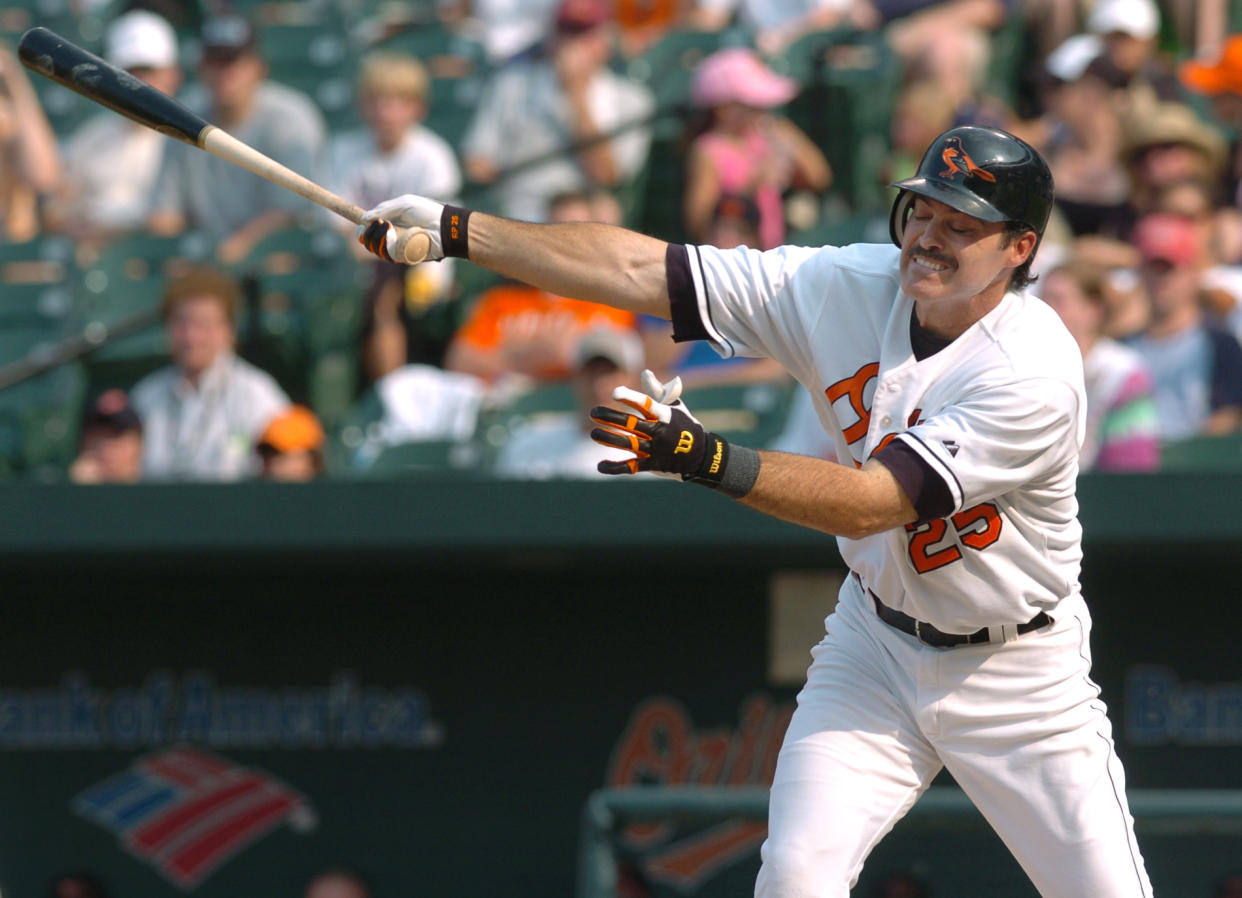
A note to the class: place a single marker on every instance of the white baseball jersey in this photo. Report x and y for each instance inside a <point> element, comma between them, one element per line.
<point>983,435</point>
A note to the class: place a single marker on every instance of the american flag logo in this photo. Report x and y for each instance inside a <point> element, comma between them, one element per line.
<point>185,812</point>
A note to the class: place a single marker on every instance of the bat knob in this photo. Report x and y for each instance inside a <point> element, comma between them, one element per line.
<point>411,246</point>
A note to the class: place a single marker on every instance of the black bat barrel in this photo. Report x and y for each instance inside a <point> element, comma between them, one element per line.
<point>66,63</point>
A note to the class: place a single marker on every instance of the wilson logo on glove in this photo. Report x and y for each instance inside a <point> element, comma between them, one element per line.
<point>666,439</point>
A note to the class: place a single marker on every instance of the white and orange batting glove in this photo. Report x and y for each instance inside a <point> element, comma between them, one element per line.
<point>666,439</point>
<point>445,226</point>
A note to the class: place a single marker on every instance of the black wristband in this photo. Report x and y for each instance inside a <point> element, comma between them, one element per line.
<point>453,230</point>
<point>730,469</point>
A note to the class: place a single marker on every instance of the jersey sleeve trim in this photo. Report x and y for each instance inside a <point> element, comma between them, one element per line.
<point>928,493</point>
<point>935,468</point>
<point>687,292</point>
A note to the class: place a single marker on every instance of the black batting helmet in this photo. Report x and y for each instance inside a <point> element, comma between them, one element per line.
<point>984,172</point>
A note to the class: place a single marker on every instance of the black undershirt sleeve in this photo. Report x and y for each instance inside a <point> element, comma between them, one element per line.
<point>683,303</point>
<point>927,491</point>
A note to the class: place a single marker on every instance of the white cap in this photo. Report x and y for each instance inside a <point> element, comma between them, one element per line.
<point>621,347</point>
<point>140,39</point>
<point>1137,18</point>
<point>1069,60</point>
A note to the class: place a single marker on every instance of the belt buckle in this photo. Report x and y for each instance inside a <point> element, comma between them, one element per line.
<point>918,632</point>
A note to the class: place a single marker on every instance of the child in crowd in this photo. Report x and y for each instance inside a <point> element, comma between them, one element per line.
<point>746,148</point>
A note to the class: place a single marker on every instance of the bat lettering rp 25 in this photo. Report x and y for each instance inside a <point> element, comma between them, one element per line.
<point>54,57</point>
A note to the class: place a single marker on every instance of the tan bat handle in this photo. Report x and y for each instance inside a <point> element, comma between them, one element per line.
<point>412,244</point>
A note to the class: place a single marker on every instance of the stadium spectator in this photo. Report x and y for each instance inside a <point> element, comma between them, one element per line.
<point>200,191</point>
<point>507,29</point>
<point>775,26</point>
<point>1196,368</point>
<point>30,166</point>
<point>290,448</point>
<point>1129,32</point>
<point>404,321</point>
<point>948,41</point>
<point>1216,231</point>
<point>111,163</point>
<point>1080,135</point>
<point>560,120</point>
<point>921,112</point>
<point>202,415</point>
<point>641,23</point>
<point>337,883</point>
<point>110,442</point>
<point>395,152</point>
<point>1220,78</point>
<point>518,330</point>
<point>1169,143</point>
<point>734,222</point>
<point>1166,144</point>
<point>560,446</point>
<point>1121,415</point>
<point>744,147</point>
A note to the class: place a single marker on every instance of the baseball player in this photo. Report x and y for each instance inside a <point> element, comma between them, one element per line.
<point>955,399</point>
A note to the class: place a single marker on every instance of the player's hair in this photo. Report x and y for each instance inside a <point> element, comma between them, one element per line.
<point>202,280</point>
<point>1021,276</point>
<point>393,74</point>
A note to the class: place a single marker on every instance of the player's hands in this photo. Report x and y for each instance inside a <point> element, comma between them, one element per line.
<point>408,211</point>
<point>668,392</point>
<point>664,437</point>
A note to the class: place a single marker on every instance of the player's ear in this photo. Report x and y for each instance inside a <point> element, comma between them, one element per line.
<point>1020,248</point>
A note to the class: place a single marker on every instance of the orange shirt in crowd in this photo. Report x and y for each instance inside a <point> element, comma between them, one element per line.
<point>519,310</point>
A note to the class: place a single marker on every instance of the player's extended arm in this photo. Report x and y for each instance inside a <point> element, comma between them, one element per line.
<point>583,260</point>
<point>822,495</point>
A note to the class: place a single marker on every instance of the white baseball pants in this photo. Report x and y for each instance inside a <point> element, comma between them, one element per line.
<point>1019,725</point>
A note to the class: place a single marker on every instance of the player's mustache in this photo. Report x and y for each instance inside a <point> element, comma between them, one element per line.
<point>930,254</point>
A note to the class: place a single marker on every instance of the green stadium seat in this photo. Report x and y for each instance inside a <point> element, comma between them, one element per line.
<point>428,458</point>
<point>861,228</point>
<point>298,248</point>
<point>1203,453</point>
<point>331,385</point>
<point>139,256</point>
<point>429,40</point>
<point>38,416</point>
<point>43,260</point>
<point>453,101</point>
<point>123,361</point>
<point>498,421</point>
<point>850,82</point>
<point>49,308</point>
<point>667,67</point>
<point>355,441</point>
<point>751,414</point>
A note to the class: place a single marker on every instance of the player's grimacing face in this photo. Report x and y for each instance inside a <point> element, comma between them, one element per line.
<point>948,256</point>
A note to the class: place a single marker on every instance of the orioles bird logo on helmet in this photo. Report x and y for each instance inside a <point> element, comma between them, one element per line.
<point>953,154</point>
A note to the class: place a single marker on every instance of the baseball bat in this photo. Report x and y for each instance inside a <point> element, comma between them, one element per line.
<point>54,57</point>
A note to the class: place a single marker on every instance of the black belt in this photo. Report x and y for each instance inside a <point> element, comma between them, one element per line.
<point>929,635</point>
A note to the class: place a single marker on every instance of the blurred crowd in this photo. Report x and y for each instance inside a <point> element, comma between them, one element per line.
<point>287,353</point>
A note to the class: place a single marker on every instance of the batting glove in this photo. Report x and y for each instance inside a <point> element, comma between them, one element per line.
<point>409,211</point>
<point>669,393</point>
<point>666,438</point>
